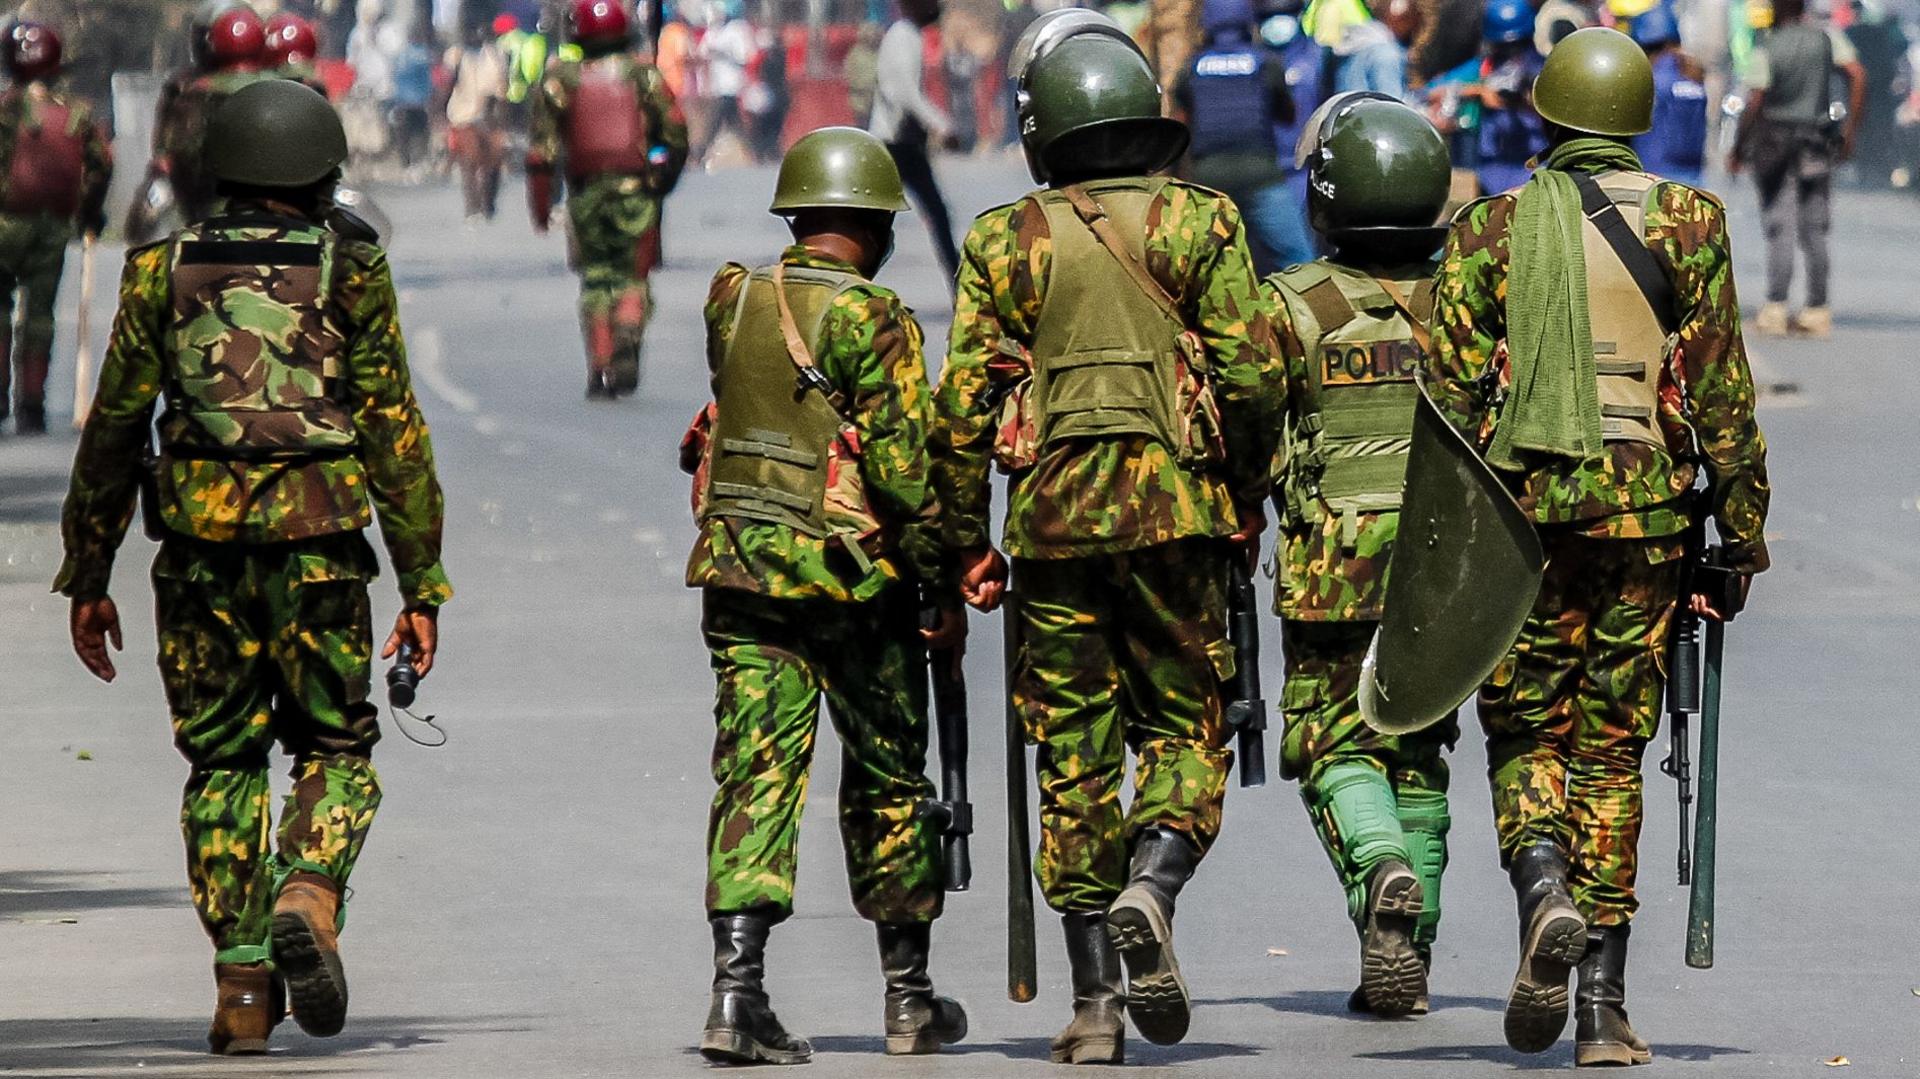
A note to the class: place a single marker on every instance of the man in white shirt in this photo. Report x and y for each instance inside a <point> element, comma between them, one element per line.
<point>904,118</point>
<point>474,107</point>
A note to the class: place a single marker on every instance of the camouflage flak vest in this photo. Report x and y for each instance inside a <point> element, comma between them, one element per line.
<point>782,454</point>
<point>1345,447</point>
<point>1105,353</point>
<point>255,354</point>
<point>1630,348</point>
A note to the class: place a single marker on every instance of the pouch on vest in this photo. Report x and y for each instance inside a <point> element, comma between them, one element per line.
<point>606,129</point>
<point>1631,346</point>
<point>1345,451</point>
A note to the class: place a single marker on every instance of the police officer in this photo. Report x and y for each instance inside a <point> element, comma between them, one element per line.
<point>1233,96</point>
<point>228,44</point>
<point>816,519</point>
<point>286,421</point>
<point>291,45</point>
<point>1510,131</point>
<point>1352,331</point>
<point>1677,146</point>
<point>1603,416</point>
<point>1110,352</point>
<point>609,118</point>
<point>56,168</point>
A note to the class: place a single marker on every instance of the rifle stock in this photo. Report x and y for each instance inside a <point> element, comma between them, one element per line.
<point>953,812</point>
<point>1023,975</point>
<point>1247,712</point>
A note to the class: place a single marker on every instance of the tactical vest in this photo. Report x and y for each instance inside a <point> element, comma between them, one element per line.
<point>1230,112</point>
<point>1345,451</point>
<point>48,158</point>
<point>606,128</point>
<point>255,355</point>
<point>1630,348</point>
<point>781,451</point>
<point>1105,354</point>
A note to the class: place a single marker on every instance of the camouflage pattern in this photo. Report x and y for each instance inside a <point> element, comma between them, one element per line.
<point>1569,712</point>
<point>773,659</point>
<point>257,645</point>
<point>872,354</point>
<point>1706,398</point>
<point>187,103</point>
<point>613,220</point>
<point>1106,496</point>
<point>390,473</point>
<point>1118,652</point>
<point>1320,704</point>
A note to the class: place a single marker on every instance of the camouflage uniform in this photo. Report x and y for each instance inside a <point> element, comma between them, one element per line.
<point>1569,712</point>
<point>265,628</point>
<point>34,233</point>
<point>614,217</point>
<point>187,102</point>
<point>1117,545</point>
<point>789,616</point>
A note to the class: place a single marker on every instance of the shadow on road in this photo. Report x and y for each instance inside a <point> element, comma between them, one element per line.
<point>1332,1004</point>
<point>1035,1049</point>
<point>110,1045</point>
<point>1550,1061</point>
<point>39,894</point>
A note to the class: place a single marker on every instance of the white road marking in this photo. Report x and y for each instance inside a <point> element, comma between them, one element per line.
<point>429,362</point>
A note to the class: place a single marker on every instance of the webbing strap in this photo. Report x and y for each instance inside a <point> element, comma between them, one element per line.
<point>1640,263</point>
<point>1416,322</point>
<point>749,493</point>
<point>797,350</point>
<point>1095,218</point>
<point>756,448</point>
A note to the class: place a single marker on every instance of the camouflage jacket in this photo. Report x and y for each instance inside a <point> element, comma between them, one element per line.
<point>240,502</point>
<point>873,357</point>
<point>1706,395</point>
<point>546,121</point>
<point>23,106</point>
<point>1110,495</point>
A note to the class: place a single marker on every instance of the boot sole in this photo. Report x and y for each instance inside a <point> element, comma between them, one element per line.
<point>1609,1054</point>
<point>1392,977</point>
<point>930,1038</point>
<point>1537,1004</point>
<point>1156,994</point>
<point>1092,1051</point>
<point>734,1048</point>
<point>315,979</point>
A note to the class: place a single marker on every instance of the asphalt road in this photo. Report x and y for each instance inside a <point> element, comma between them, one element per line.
<point>530,902</point>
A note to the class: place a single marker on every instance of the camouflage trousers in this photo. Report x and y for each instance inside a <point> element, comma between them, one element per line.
<point>1122,651</point>
<point>615,228</point>
<point>33,252</point>
<point>1405,775</point>
<point>258,644</point>
<point>772,661</point>
<point>1569,712</point>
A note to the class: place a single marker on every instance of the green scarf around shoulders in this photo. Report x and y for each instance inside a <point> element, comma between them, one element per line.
<point>1553,400</point>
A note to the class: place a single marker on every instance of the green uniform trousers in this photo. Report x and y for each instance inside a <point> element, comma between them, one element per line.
<point>33,252</point>
<point>260,643</point>
<point>1122,651</point>
<point>1569,712</point>
<point>1325,734</point>
<point>772,660</point>
<point>615,226</point>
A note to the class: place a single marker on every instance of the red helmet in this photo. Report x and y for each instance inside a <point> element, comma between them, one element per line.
<point>32,51</point>
<point>290,40</point>
<point>235,38</point>
<point>600,22</point>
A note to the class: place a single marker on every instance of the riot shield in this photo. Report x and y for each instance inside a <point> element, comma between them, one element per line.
<point>1464,573</point>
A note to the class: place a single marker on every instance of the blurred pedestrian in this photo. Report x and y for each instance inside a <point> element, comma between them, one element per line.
<point>862,71</point>
<point>55,182</point>
<point>1677,146</point>
<point>407,108</point>
<point>1362,53</point>
<point>905,118</point>
<point>1790,139</point>
<point>725,50</point>
<point>1882,47</point>
<point>1511,133</point>
<point>476,109</point>
<point>768,98</point>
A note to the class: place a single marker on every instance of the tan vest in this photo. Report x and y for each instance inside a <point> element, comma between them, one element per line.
<point>1630,349</point>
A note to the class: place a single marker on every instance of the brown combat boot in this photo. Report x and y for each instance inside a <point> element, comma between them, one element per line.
<point>1553,937</point>
<point>306,949</point>
<point>1392,977</point>
<point>1098,1033</point>
<point>1140,924</point>
<point>1602,1035</point>
<point>250,1003</point>
<point>918,1020</point>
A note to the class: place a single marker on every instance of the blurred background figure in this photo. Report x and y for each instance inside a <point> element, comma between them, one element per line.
<point>724,50</point>
<point>410,98</point>
<point>57,167</point>
<point>1362,53</point>
<point>1235,99</point>
<point>1510,131</point>
<point>766,99</point>
<point>905,119</point>
<point>1882,46</point>
<point>1676,148</point>
<point>228,45</point>
<point>292,45</point>
<point>476,111</point>
<point>862,70</point>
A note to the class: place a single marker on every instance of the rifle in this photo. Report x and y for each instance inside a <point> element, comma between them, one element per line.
<point>1247,711</point>
<point>1023,974</point>
<point>952,812</point>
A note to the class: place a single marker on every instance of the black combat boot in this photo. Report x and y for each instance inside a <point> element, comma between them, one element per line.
<point>741,1026</point>
<point>1553,937</point>
<point>1140,924</point>
<point>1602,1034</point>
<point>1098,1033</point>
<point>1357,1000</point>
<point>918,1020</point>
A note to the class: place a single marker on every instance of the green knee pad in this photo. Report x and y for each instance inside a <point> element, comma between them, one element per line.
<point>1424,822</point>
<point>1355,813</point>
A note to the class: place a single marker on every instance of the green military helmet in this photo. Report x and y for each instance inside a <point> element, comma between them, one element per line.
<point>275,133</point>
<point>1373,166</point>
<point>838,167</point>
<point>1049,30</point>
<point>1090,106</point>
<point>1596,81</point>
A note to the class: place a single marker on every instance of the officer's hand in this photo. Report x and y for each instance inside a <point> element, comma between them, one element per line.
<point>1705,609</point>
<point>419,627</point>
<point>93,623</point>
<point>949,634</point>
<point>983,578</point>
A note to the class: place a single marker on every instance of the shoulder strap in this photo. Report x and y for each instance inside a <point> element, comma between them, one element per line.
<point>1095,218</point>
<point>811,377</point>
<point>1641,264</point>
<point>1415,321</point>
